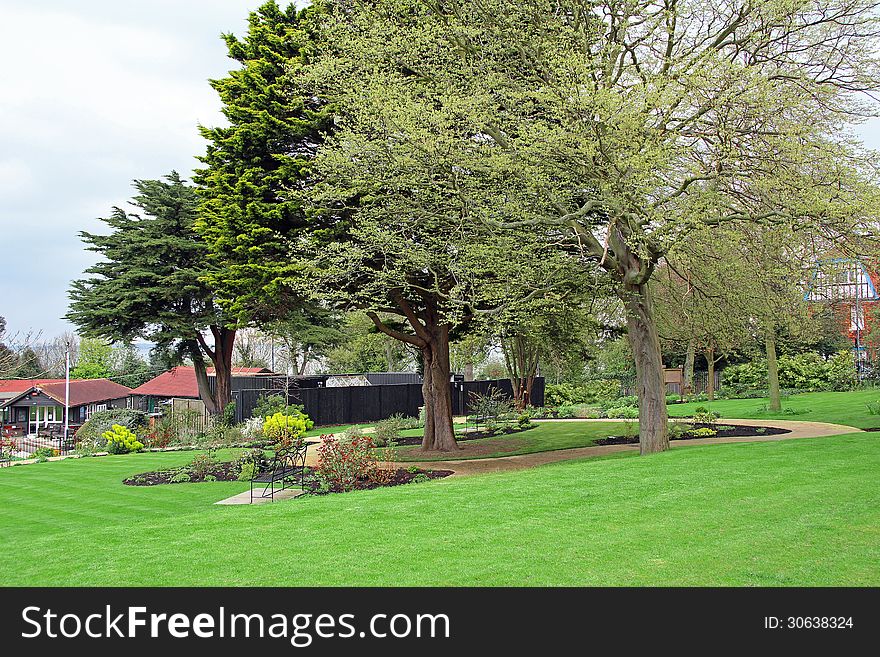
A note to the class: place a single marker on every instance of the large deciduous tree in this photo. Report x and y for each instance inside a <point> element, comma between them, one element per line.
<point>630,125</point>
<point>150,284</point>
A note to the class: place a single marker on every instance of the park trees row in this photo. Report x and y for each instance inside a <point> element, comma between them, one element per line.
<point>490,167</point>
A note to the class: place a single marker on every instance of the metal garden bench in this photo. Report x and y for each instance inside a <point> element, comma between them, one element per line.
<point>281,469</point>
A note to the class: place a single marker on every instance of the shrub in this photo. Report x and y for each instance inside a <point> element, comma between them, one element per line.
<point>565,412</point>
<point>873,408</point>
<point>180,478</point>
<point>409,422</point>
<point>493,406</point>
<point>801,372</point>
<point>341,463</point>
<point>43,454</point>
<point>387,431</point>
<point>252,428</point>
<point>420,478</point>
<point>677,430</point>
<point>90,434</point>
<point>121,440</point>
<point>284,430</point>
<point>353,432</point>
<point>592,392</point>
<point>626,400</point>
<point>268,405</point>
<point>524,421</point>
<point>704,432</point>
<point>202,464</point>
<point>248,463</point>
<point>703,415</point>
<point>673,399</point>
<point>623,412</point>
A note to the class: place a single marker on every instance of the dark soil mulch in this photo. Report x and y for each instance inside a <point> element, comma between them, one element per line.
<point>736,432</point>
<point>470,435</point>
<point>401,476</point>
<point>224,471</point>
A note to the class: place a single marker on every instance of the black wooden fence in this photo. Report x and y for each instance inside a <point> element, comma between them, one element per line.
<point>357,404</point>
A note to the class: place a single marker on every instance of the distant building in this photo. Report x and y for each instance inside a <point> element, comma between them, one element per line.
<point>179,383</point>
<point>38,407</point>
<point>849,286</point>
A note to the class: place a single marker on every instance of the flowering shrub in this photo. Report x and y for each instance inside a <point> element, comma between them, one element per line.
<point>8,447</point>
<point>121,440</point>
<point>252,428</point>
<point>703,415</point>
<point>285,430</point>
<point>341,463</point>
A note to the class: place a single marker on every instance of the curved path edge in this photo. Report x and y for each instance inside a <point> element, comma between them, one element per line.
<point>468,467</point>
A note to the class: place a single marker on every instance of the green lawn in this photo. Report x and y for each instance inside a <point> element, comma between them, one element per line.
<point>800,512</point>
<point>847,408</point>
<point>546,437</point>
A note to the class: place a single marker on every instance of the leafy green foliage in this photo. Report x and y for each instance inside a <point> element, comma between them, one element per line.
<point>121,440</point>
<point>90,434</point>
<point>150,282</point>
<point>804,372</point>
<point>631,412</point>
<point>566,394</point>
<point>284,429</point>
<point>252,164</point>
<point>704,432</point>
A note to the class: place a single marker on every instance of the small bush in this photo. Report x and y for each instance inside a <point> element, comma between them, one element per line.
<point>524,421</point>
<point>341,463</point>
<point>43,454</point>
<point>121,440</point>
<point>284,430</point>
<point>593,392</point>
<point>90,434</point>
<point>631,412</point>
<point>704,432</point>
<point>268,405</point>
<point>202,464</point>
<point>629,430</point>
<point>873,408</point>
<point>420,478</point>
<point>703,415</point>
<point>387,431</point>
<point>180,478</point>
<point>673,399</point>
<point>677,430</point>
<point>565,412</point>
<point>353,432</point>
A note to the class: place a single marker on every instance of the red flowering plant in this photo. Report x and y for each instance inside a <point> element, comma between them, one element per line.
<point>8,447</point>
<point>342,463</point>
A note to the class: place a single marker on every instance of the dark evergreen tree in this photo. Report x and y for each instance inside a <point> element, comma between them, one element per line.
<point>151,285</point>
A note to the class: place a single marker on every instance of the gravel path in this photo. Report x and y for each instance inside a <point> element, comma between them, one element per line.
<point>798,429</point>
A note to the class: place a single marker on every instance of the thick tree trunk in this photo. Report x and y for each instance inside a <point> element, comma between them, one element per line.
<point>521,360</point>
<point>439,433</point>
<point>224,341</point>
<point>687,384</point>
<point>710,373</point>
<point>772,370</point>
<point>645,343</point>
<point>202,381</point>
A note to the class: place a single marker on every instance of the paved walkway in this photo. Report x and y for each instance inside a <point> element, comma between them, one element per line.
<point>468,467</point>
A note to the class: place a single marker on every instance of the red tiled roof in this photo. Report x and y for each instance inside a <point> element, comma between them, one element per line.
<point>181,381</point>
<point>20,385</point>
<point>86,391</point>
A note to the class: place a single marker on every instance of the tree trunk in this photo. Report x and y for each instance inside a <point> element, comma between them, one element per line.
<point>772,370</point>
<point>710,373</point>
<point>305,361</point>
<point>389,356</point>
<point>687,383</point>
<point>204,386</point>
<point>521,360</point>
<point>645,343</point>
<point>224,342</point>
<point>439,433</point>
<point>469,371</point>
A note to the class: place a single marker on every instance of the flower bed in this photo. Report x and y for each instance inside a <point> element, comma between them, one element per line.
<point>694,433</point>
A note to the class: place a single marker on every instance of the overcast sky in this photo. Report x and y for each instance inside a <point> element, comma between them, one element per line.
<point>93,94</point>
